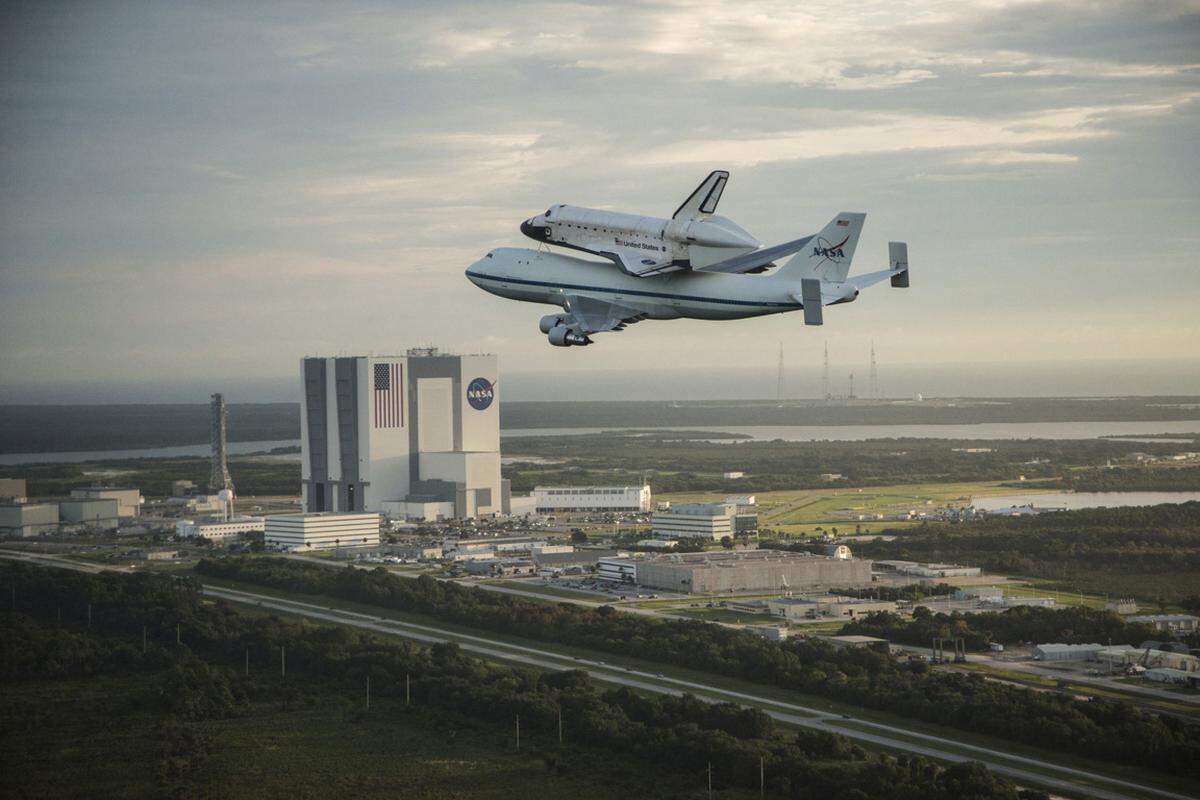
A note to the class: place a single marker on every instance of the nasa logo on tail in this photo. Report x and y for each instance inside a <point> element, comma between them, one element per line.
<point>480,393</point>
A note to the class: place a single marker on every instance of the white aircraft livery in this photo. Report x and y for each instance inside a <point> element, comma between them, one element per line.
<point>696,266</point>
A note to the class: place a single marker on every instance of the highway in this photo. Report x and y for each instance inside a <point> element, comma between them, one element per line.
<point>1024,770</point>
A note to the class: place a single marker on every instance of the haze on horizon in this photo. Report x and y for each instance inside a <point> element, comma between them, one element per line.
<point>209,192</point>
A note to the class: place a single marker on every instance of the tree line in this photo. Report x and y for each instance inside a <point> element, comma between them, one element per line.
<point>1100,728</point>
<point>196,668</point>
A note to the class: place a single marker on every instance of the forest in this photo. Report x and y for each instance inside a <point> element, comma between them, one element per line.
<point>1103,729</point>
<point>1152,552</point>
<point>183,664</point>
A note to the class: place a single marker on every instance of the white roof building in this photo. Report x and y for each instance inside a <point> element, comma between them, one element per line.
<point>321,531</point>
<point>1066,652</point>
<point>591,498</point>
<point>218,529</point>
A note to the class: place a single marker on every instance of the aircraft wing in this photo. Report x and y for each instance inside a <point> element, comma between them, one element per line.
<point>640,263</point>
<point>592,315</point>
<point>757,261</point>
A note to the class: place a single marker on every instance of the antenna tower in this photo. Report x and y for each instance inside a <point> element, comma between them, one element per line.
<point>874,374</point>
<point>779,377</point>
<point>218,477</point>
<point>825,374</point>
<point>850,394</point>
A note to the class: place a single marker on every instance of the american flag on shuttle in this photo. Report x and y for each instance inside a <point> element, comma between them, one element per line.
<point>389,395</point>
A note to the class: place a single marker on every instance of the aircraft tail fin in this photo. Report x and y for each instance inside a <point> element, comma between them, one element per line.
<point>704,200</point>
<point>828,255</point>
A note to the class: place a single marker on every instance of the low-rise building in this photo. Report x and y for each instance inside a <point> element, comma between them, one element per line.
<point>1175,623</point>
<point>129,501</point>
<point>28,519</point>
<point>733,475</point>
<point>710,521</point>
<point>857,641</point>
<point>99,514</point>
<point>217,529</point>
<point>617,569</point>
<point>1066,652</point>
<point>576,558</point>
<point>500,566</point>
<point>1169,675</point>
<point>750,571</point>
<point>828,606</point>
<point>658,544</point>
<point>919,570</point>
<point>13,490</point>
<point>321,530</point>
<point>591,498</point>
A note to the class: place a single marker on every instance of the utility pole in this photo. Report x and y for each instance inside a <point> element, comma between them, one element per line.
<point>407,694</point>
<point>710,780</point>
<point>761,778</point>
<point>825,374</point>
<point>282,662</point>
<point>518,732</point>
<point>178,636</point>
<point>368,693</point>
<point>89,615</point>
<point>560,725</point>
<point>143,640</point>
<point>247,659</point>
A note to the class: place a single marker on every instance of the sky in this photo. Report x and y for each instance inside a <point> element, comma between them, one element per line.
<point>207,192</point>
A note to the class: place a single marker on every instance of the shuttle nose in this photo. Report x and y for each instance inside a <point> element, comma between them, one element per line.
<point>536,228</point>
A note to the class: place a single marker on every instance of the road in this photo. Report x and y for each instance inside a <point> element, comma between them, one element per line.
<point>1021,769</point>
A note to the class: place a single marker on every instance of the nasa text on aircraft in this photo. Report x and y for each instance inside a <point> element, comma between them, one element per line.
<point>695,265</point>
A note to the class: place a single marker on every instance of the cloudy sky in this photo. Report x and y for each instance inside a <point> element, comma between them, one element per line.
<point>193,190</point>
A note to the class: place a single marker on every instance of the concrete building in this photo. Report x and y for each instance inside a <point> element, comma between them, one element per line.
<point>745,519</point>
<point>1066,652</point>
<point>750,571</point>
<point>219,529</point>
<point>1175,623</point>
<point>28,519</point>
<point>826,607</point>
<point>918,570</point>
<point>321,531</point>
<point>101,514</point>
<point>984,594</point>
<point>855,641</point>
<point>12,490</point>
<point>658,544</point>
<point>499,544</point>
<point>577,558</point>
<point>500,567</point>
<point>129,501</point>
<point>422,428</point>
<point>711,521</point>
<point>634,499</point>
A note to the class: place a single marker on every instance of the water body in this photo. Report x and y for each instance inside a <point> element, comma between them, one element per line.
<point>857,433</point>
<point>1077,500</point>
<point>74,457</point>
<point>757,433</point>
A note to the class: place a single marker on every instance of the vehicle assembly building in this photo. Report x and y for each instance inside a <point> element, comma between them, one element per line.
<point>750,571</point>
<point>381,433</point>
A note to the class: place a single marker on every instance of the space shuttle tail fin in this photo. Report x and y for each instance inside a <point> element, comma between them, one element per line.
<point>704,200</point>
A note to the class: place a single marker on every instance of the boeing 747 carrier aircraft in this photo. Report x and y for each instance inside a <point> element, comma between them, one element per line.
<point>683,279</point>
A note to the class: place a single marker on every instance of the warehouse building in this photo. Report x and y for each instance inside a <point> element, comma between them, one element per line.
<point>918,570</point>
<point>617,569</point>
<point>1175,623</point>
<point>218,528</point>
<point>28,519</point>
<point>380,433</point>
<point>100,514</point>
<point>1066,652</point>
<point>129,501</point>
<point>635,499</point>
<point>321,531</point>
<point>750,571</point>
<point>712,521</point>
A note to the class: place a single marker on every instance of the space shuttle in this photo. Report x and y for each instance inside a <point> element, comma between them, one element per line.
<point>694,238</point>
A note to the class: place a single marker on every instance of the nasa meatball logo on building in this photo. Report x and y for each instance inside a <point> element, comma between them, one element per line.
<point>480,393</point>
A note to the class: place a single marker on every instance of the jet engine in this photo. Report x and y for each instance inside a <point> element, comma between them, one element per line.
<point>562,336</point>
<point>550,321</point>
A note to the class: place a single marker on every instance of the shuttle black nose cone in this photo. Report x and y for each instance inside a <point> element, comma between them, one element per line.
<point>539,232</point>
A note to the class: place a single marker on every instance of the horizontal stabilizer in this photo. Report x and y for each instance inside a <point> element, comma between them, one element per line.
<point>810,297</point>
<point>898,261</point>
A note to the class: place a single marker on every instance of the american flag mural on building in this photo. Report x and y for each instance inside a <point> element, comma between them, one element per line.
<point>389,395</point>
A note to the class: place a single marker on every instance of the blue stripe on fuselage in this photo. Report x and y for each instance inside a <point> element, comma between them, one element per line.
<point>638,292</point>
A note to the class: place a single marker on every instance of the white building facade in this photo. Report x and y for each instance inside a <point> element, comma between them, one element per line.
<point>422,428</point>
<point>592,498</point>
<point>129,501</point>
<point>694,521</point>
<point>321,531</point>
